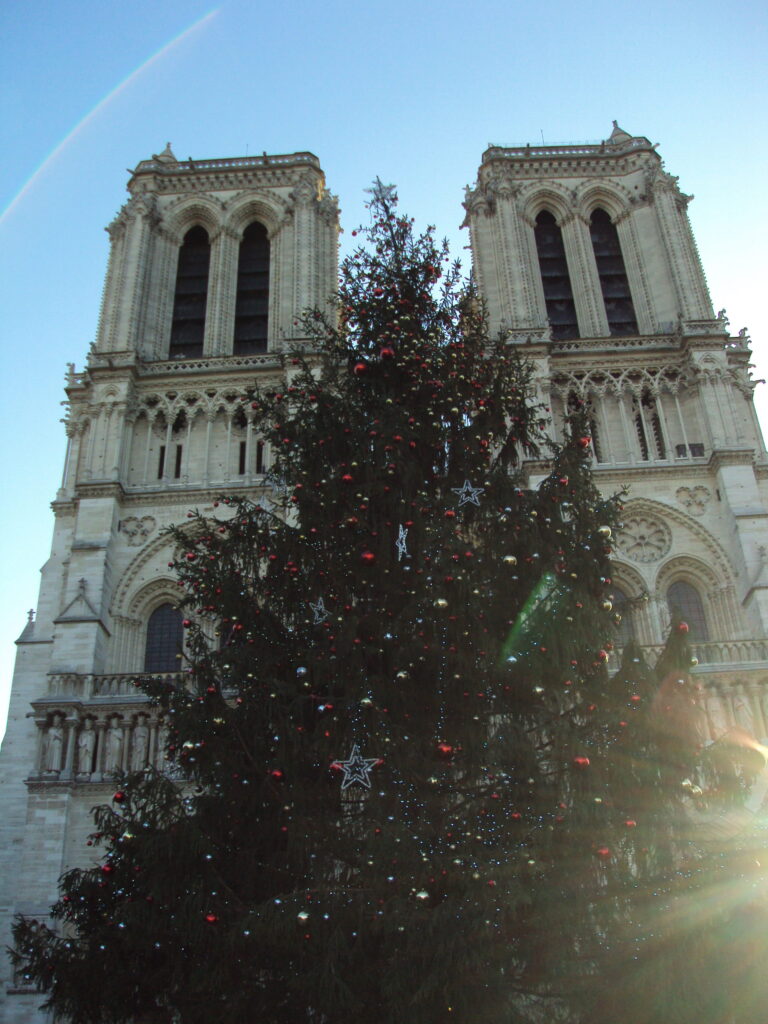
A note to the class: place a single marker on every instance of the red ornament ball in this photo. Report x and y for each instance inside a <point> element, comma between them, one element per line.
<point>603,852</point>
<point>360,368</point>
<point>581,761</point>
<point>367,557</point>
<point>584,442</point>
<point>211,918</point>
<point>119,797</point>
<point>387,352</point>
<point>445,750</point>
<point>682,627</point>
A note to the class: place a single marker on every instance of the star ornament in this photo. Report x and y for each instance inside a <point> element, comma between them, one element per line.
<point>320,612</point>
<point>468,495</point>
<point>401,543</point>
<point>356,768</point>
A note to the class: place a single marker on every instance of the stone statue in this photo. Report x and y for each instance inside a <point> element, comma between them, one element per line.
<point>114,749</point>
<point>53,745</point>
<point>86,742</point>
<point>140,745</point>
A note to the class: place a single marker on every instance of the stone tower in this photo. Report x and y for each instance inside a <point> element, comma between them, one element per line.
<point>585,257</point>
<point>211,262</point>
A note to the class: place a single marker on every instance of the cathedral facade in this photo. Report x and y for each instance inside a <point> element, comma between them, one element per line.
<point>585,258</point>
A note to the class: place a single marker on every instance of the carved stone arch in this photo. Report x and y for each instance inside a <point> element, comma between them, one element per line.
<point>628,578</point>
<point>716,569</point>
<point>141,573</point>
<point>191,210</point>
<point>162,590</point>
<point>609,196</point>
<point>243,209</point>
<point>551,196</point>
<point>635,587</point>
<point>688,569</point>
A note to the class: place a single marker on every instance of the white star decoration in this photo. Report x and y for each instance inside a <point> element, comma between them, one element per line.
<point>468,493</point>
<point>356,768</point>
<point>402,536</point>
<point>320,611</point>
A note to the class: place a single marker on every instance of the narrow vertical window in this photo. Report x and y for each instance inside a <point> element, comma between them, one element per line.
<point>164,640</point>
<point>561,310</point>
<point>625,628</point>
<point>191,295</point>
<point>252,292</point>
<point>684,602</point>
<point>177,464</point>
<point>613,276</point>
<point>161,463</point>
<point>260,465</point>
<point>241,459</point>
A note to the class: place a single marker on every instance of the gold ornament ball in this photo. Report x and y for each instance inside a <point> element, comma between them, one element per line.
<point>510,560</point>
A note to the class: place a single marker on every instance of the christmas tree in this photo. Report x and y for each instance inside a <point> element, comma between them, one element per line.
<point>402,786</point>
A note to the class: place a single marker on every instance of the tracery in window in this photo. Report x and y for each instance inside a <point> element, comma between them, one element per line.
<point>558,296</point>
<point>613,276</point>
<point>252,305</point>
<point>191,295</point>
<point>164,640</point>
<point>684,602</point>
<point>625,629</point>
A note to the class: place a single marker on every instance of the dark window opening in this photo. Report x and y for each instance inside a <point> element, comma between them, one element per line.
<point>191,295</point>
<point>161,463</point>
<point>650,436</point>
<point>613,276</point>
<point>684,602</point>
<point>625,629</point>
<point>164,640</point>
<point>241,459</point>
<point>252,304</point>
<point>177,465</point>
<point>696,450</point>
<point>260,462</point>
<point>680,451</point>
<point>558,297</point>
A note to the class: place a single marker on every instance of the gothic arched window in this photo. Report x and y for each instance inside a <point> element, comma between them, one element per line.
<point>164,640</point>
<point>613,275</point>
<point>625,630</point>
<point>685,603</point>
<point>191,295</point>
<point>558,297</point>
<point>252,304</point>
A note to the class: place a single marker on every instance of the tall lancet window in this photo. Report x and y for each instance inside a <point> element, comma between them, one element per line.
<point>191,297</point>
<point>164,640</point>
<point>613,276</point>
<point>252,292</point>
<point>561,311</point>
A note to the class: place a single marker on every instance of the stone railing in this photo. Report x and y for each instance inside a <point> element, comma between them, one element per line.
<point>227,164</point>
<point>737,653</point>
<point>568,151</point>
<point>243,362</point>
<point>90,687</point>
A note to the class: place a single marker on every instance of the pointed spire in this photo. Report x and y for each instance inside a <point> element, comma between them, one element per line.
<point>167,156</point>
<point>618,136</point>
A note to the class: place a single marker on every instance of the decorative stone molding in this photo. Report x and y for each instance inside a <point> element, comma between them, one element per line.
<point>694,499</point>
<point>136,531</point>
<point>644,538</point>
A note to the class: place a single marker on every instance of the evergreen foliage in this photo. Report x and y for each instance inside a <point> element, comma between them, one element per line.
<point>512,842</point>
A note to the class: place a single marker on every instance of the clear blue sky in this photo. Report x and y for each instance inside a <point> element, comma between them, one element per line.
<point>413,92</point>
